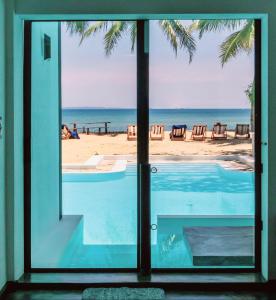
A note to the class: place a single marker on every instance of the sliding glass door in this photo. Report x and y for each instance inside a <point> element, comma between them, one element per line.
<point>84,198</point>
<point>142,145</point>
<point>202,138</point>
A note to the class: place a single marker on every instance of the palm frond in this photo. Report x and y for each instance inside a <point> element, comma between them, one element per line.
<point>133,33</point>
<point>250,92</point>
<point>113,35</point>
<point>170,33</point>
<point>178,35</point>
<point>94,28</point>
<point>84,29</point>
<point>185,38</point>
<point>203,26</point>
<point>77,27</point>
<point>242,39</point>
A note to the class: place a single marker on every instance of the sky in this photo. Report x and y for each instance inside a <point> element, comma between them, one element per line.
<point>90,79</point>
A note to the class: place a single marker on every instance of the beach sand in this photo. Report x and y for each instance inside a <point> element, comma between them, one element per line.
<point>78,151</point>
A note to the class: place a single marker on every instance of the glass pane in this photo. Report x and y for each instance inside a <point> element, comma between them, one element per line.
<point>98,201</point>
<point>201,145</point>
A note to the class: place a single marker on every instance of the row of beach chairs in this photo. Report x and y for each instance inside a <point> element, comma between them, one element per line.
<point>178,132</point>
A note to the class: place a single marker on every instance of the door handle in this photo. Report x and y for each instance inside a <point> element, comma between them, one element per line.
<point>154,170</point>
<point>153,226</point>
<point>1,127</point>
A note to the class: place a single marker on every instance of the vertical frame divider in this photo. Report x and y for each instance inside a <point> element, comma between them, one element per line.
<point>60,120</point>
<point>257,143</point>
<point>144,237</point>
<point>27,86</point>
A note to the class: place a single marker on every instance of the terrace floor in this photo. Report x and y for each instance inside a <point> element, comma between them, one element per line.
<point>192,286</point>
<point>176,295</point>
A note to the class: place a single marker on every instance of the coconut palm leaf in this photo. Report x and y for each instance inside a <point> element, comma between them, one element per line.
<point>241,40</point>
<point>113,35</point>
<point>93,29</point>
<point>133,33</point>
<point>77,27</point>
<point>185,38</point>
<point>178,35</point>
<point>250,92</point>
<point>170,33</point>
<point>203,26</point>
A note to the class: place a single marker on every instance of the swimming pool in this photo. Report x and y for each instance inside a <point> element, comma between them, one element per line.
<point>182,194</point>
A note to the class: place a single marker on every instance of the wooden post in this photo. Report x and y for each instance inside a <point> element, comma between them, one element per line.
<point>105,127</point>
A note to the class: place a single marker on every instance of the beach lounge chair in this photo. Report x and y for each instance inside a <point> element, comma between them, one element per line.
<point>157,132</point>
<point>132,133</point>
<point>199,132</point>
<point>242,131</point>
<point>178,133</point>
<point>219,131</point>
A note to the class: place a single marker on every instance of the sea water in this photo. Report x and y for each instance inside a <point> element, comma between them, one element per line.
<point>120,118</point>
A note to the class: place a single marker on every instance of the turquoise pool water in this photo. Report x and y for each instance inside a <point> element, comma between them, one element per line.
<point>182,195</point>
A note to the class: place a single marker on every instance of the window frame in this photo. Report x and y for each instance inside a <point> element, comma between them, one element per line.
<point>143,165</point>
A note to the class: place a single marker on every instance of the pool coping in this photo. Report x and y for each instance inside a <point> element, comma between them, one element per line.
<point>121,162</point>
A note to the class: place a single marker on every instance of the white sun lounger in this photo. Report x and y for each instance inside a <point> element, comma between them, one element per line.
<point>91,163</point>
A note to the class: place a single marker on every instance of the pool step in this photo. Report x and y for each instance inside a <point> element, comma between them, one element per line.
<point>102,256</point>
<point>221,245</point>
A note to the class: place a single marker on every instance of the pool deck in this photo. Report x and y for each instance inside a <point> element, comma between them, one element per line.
<point>79,151</point>
<point>118,163</point>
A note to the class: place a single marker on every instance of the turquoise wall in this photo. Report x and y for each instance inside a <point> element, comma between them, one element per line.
<point>103,9</point>
<point>17,171</point>
<point>3,277</point>
<point>45,138</point>
<point>14,187</point>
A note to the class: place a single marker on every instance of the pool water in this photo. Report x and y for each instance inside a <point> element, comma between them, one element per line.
<point>199,194</point>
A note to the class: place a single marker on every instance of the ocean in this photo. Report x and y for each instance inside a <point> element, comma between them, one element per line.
<point>120,118</point>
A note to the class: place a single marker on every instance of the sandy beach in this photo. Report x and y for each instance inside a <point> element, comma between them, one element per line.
<point>79,151</point>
